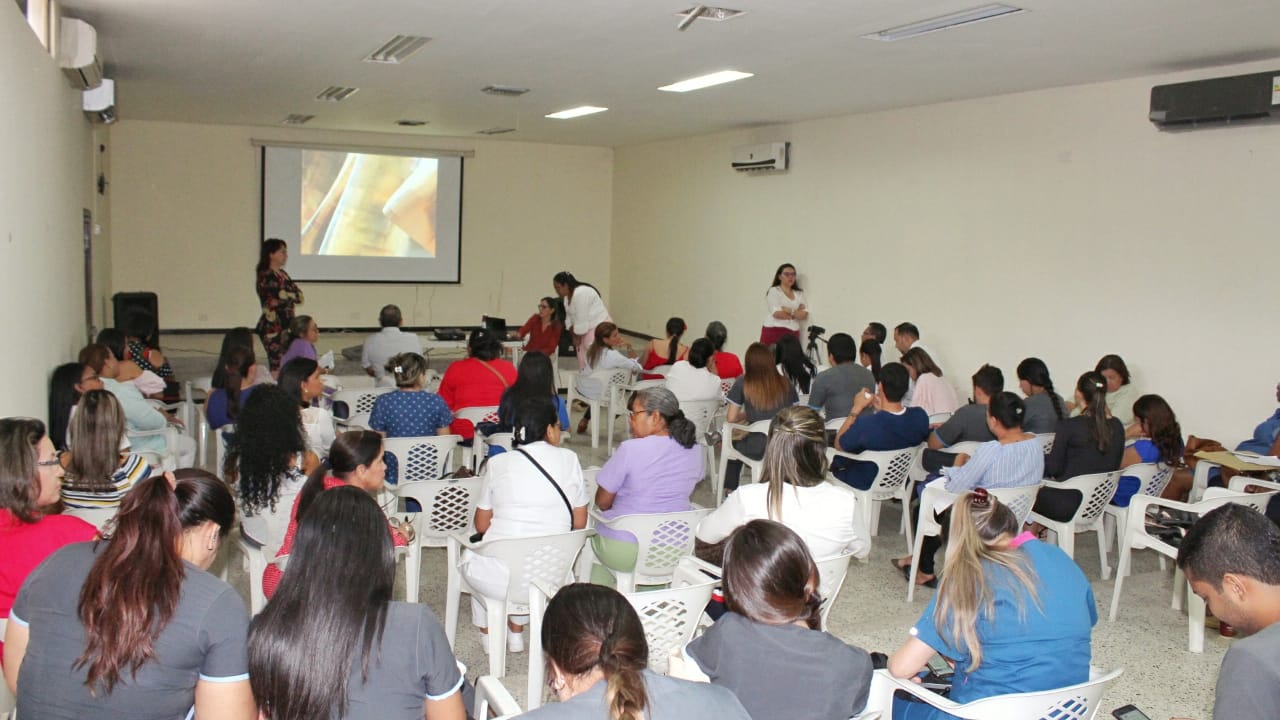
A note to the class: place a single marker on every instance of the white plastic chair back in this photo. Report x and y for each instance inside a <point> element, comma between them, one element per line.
<point>891,481</point>
<point>1046,441</point>
<point>1019,499</point>
<point>356,421</point>
<point>939,418</point>
<point>1075,702</point>
<point>475,415</point>
<point>97,517</point>
<point>1152,479</point>
<point>220,439</point>
<point>448,507</point>
<point>834,424</point>
<point>702,413</point>
<point>726,384</point>
<point>493,697</point>
<point>478,413</point>
<point>831,574</point>
<point>589,481</point>
<point>662,540</point>
<point>255,559</point>
<point>421,458</point>
<point>350,382</point>
<point>619,399</point>
<point>7,701</point>
<point>359,400</point>
<point>608,379</point>
<point>670,616</point>
<point>502,440</point>
<point>918,473</point>
<point>728,452</point>
<point>1095,491</point>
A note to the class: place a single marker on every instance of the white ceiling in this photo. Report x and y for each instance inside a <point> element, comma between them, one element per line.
<point>252,62</point>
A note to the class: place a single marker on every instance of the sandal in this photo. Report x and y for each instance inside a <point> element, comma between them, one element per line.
<point>930,583</point>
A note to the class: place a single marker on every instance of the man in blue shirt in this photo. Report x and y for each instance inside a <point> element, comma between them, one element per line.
<point>891,427</point>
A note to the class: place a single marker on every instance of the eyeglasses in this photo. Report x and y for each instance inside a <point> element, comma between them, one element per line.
<point>48,463</point>
<point>632,413</point>
<point>788,274</point>
<point>544,307</point>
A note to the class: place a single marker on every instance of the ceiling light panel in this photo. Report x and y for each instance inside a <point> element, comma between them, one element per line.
<point>705,81</point>
<point>336,93</point>
<point>397,49</point>
<point>715,14</point>
<point>945,22</point>
<point>576,112</point>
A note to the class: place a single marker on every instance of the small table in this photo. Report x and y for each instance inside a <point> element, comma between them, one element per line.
<point>515,348</point>
<point>1218,458</point>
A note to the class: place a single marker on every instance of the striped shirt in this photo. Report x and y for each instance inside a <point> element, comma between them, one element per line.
<point>133,469</point>
<point>996,465</point>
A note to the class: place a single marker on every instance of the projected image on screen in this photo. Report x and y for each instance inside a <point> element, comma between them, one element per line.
<point>368,205</point>
<point>351,215</point>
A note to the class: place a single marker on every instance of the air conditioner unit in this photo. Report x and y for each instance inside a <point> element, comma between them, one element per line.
<point>1217,101</point>
<point>78,53</point>
<point>100,103</point>
<point>766,156</point>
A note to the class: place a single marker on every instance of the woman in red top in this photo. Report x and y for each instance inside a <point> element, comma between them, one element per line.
<point>727,364</point>
<point>30,479</point>
<point>666,351</point>
<point>477,381</point>
<point>355,459</point>
<point>541,333</point>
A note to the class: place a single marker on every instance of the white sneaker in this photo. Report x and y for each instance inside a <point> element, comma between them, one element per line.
<point>515,641</point>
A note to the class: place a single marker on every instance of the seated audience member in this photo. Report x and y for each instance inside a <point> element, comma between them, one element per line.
<point>537,489</point>
<point>758,395</point>
<point>355,459</point>
<point>1091,442</point>
<point>541,332</point>
<point>728,366</point>
<point>1014,614</point>
<point>301,341</point>
<point>1265,434</point>
<point>301,379</point>
<point>891,426</point>
<point>834,388</point>
<point>238,375</point>
<point>267,464</point>
<point>932,394</point>
<point>1231,557</point>
<point>386,344</point>
<point>794,491</point>
<point>605,353</point>
<point>29,480</point>
<point>792,363</point>
<point>906,336</point>
<point>1014,459</point>
<point>66,386</point>
<point>477,380</point>
<point>239,337</point>
<point>876,332</point>
<point>333,609</point>
<point>1044,406</point>
<point>147,381</point>
<point>133,626</point>
<point>534,378</point>
<point>666,351</point>
<point>771,593</point>
<point>1120,393</point>
<point>968,423</point>
<point>409,411</point>
<point>1159,441</point>
<point>137,326</point>
<point>98,474</point>
<point>139,414</point>
<point>869,353</point>
<point>597,666</point>
<point>695,378</point>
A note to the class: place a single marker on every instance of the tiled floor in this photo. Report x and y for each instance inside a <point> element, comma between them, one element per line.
<point>1149,639</point>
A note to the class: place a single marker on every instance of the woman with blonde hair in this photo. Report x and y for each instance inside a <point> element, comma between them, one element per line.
<point>1012,614</point>
<point>758,395</point>
<point>98,473</point>
<point>795,492</point>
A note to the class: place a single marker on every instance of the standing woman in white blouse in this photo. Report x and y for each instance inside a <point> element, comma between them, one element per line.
<point>787,308</point>
<point>584,310</point>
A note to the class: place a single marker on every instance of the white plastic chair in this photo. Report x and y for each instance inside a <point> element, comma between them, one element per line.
<point>1152,480</point>
<point>421,458</point>
<point>448,507</point>
<point>918,473</point>
<point>201,386</point>
<point>471,456</point>
<point>1136,537</point>
<point>220,437</point>
<point>358,400</point>
<point>663,539</point>
<point>937,419</point>
<point>1046,441</point>
<point>350,382</point>
<point>97,517</point>
<point>493,696</point>
<point>891,483</point>
<point>702,414</point>
<point>1074,702</point>
<point>1095,497</point>
<point>618,402</point>
<point>255,558</point>
<point>547,558</point>
<point>1019,499</point>
<point>831,574</point>
<point>729,452</point>
<point>607,378</point>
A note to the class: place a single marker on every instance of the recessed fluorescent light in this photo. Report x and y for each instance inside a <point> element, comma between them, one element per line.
<point>944,22</point>
<point>715,78</point>
<point>336,93</point>
<point>397,49</point>
<point>576,112</point>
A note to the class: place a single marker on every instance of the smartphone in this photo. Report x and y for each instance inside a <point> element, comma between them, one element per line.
<point>938,666</point>
<point>1129,712</point>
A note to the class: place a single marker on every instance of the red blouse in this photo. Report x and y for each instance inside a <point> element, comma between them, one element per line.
<point>727,365</point>
<point>539,340</point>
<point>474,383</point>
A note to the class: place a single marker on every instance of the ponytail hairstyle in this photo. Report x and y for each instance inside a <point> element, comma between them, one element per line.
<point>1036,374</point>
<point>796,454</point>
<point>96,431</point>
<point>299,326</point>
<point>268,436</point>
<point>270,247</point>
<point>332,603</point>
<point>603,330</point>
<point>762,386</point>
<point>348,452</point>
<point>63,395</point>
<point>293,374</point>
<point>663,402</point>
<point>675,329</point>
<point>19,472</point>
<point>557,309</point>
<point>565,278</point>
<point>234,370</point>
<point>533,416</point>
<point>770,577</point>
<point>134,585</point>
<point>788,353</point>
<point>871,349</point>
<point>1161,426</point>
<point>979,561</point>
<point>409,369</point>
<point>1007,409</point>
<point>592,626</point>
<point>1093,390</point>
<point>717,334</point>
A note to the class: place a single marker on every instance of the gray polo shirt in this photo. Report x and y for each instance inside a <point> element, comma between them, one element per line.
<point>669,699</point>
<point>1249,681</point>
<point>835,388</point>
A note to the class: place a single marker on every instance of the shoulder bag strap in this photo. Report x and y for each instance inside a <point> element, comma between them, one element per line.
<point>567,505</point>
<point>505,384</point>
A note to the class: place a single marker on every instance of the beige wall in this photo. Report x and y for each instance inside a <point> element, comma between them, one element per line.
<point>184,208</point>
<point>45,144</point>
<point>1057,223</point>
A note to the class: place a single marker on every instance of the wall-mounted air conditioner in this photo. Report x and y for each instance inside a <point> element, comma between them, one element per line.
<point>78,53</point>
<point>763,157</point>
<point>100,102</point>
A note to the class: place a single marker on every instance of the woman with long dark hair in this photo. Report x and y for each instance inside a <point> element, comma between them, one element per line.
<point>301,379</point>
<point>787,308</point>
<point>728,366</point>
<point>789,354</point>
<point>1159,441</point>
<point>1044,406</point>
<point>238,337</point>
<point>238,375</point>
<point>541,332</point>
<point>67,384</point>
<point>266,464</point>
<point>333,610</point>
<point>758,395</point>
<point>869,357</point>
<point>584,309</point>
<point>1014,614</point>
<point>277,294</point>
<point>667,350</point>
<point>98,474</point>
<point>534,378</point>
<point>1091,442</point>
<point>133,626</point>
<point>771,593</point>
<point>597,660</point>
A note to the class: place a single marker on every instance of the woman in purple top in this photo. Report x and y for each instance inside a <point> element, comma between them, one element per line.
<point>303,333</point>
<point>653,472</point>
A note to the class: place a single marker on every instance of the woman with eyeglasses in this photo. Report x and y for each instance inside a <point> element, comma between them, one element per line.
<point>1011,615</point>
<point>541,332</point>
<point>787,308</point>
